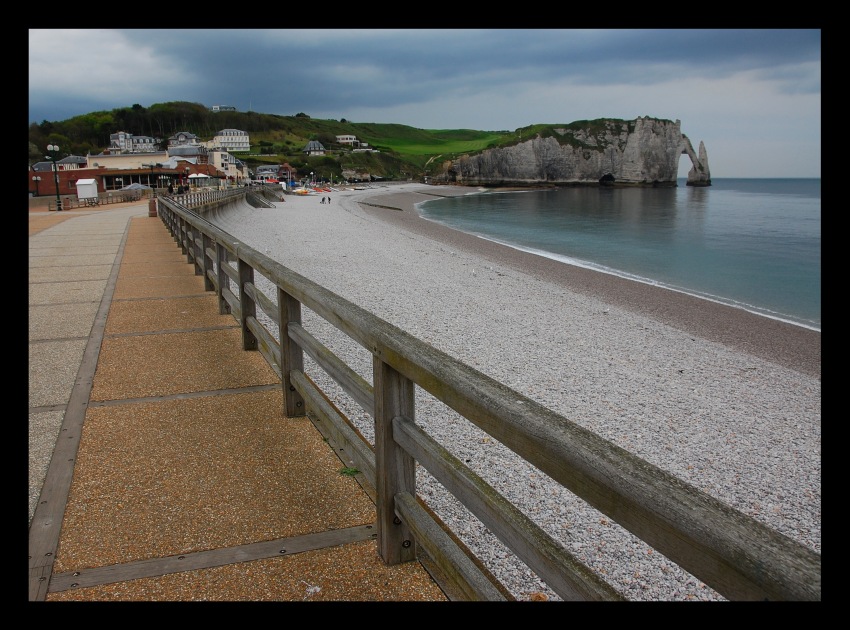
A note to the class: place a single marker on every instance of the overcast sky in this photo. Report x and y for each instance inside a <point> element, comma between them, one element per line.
<point>752,96</point>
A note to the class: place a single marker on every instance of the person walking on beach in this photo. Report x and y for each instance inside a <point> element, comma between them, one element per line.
<point>329,199</point>
<point>323,200</point>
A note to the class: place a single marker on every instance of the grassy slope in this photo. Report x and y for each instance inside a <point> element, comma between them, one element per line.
<point>402,151</point>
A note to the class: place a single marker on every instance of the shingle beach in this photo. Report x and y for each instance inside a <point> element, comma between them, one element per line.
<point>728,401</point>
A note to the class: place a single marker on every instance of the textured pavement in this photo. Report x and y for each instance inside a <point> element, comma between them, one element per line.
<point>161,465</point>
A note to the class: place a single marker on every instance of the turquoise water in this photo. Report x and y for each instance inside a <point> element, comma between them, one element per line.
<point>750,243</point>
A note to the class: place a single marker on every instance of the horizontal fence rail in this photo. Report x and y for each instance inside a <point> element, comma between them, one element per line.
<point>736,555</point>
<point>102,199</point>
<point>191,198</point>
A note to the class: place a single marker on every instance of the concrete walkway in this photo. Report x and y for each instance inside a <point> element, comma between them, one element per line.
<point>161,465</point>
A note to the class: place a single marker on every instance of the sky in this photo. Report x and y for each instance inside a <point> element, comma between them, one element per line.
<point>753,97</point>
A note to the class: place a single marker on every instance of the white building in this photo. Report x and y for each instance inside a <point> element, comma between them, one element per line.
<point>127,160</point>
<point>346,140</point>
<point>235,170</point>
<point>230,140</point>
<point>124,142</point>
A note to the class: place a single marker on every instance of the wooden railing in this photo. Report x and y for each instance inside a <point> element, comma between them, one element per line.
<point>103,199</point>
<point>739,557</point>
<point>192,198</point>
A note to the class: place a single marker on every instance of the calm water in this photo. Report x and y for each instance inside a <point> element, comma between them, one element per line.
<point>750,243</point>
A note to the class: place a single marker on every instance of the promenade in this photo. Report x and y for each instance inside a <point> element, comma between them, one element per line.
<point>161,466</point>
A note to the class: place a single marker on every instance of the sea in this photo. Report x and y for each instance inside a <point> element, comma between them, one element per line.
<point>753,244</point>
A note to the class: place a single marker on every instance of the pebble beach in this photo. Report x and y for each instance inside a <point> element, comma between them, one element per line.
<point>728,401</point>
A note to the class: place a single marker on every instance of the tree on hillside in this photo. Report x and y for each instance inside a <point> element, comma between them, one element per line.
<point>327,139</point>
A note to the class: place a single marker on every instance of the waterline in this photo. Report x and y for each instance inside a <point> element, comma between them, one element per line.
<point>748,244</point>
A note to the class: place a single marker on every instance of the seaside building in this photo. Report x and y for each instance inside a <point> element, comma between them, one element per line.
<point>233,140</point>
<point>363,147</point>
<point>69,163</point>
<point>233,169</point>
<point>133,159</point>
<point>114,171</point>
<point>123,142</point>
<point>314,147</point>
<point>182,139</point>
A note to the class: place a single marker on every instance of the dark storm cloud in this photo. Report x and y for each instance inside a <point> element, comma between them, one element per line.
<point>490,79</point>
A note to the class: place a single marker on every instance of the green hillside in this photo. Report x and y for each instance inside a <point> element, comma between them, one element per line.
<point>402,152</point>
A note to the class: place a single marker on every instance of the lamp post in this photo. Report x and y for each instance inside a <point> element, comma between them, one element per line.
<point>36,179</point>
<point>151,166</point>
<point>312,181</point>
<point>54,149</point>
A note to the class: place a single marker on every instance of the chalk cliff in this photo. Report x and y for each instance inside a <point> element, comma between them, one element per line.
<point>604,152</point>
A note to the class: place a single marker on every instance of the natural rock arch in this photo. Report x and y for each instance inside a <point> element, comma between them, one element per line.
<point>699,175</point>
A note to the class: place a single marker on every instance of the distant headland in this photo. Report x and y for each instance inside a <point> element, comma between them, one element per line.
<point>604,152</point>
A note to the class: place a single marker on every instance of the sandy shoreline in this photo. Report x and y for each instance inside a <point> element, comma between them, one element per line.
<point>788,345</point>
<point>727,401</point>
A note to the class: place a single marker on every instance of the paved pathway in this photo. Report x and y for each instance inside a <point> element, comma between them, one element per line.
<point>161,465</point>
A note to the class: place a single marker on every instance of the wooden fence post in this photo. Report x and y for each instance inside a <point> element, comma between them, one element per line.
<point>291,354</point>
<point>207,262</point>
<point>223,279</point>
<point>248,306</point>
<point>394,468</point>
<point>198,248</point>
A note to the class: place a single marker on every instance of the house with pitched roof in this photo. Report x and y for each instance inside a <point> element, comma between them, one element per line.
<point>123,142</point>
<point>182,139</point>
<point>314,147</point>
<point>230,140</point>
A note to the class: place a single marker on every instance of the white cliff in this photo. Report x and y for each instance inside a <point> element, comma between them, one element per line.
<point>641,152</point>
